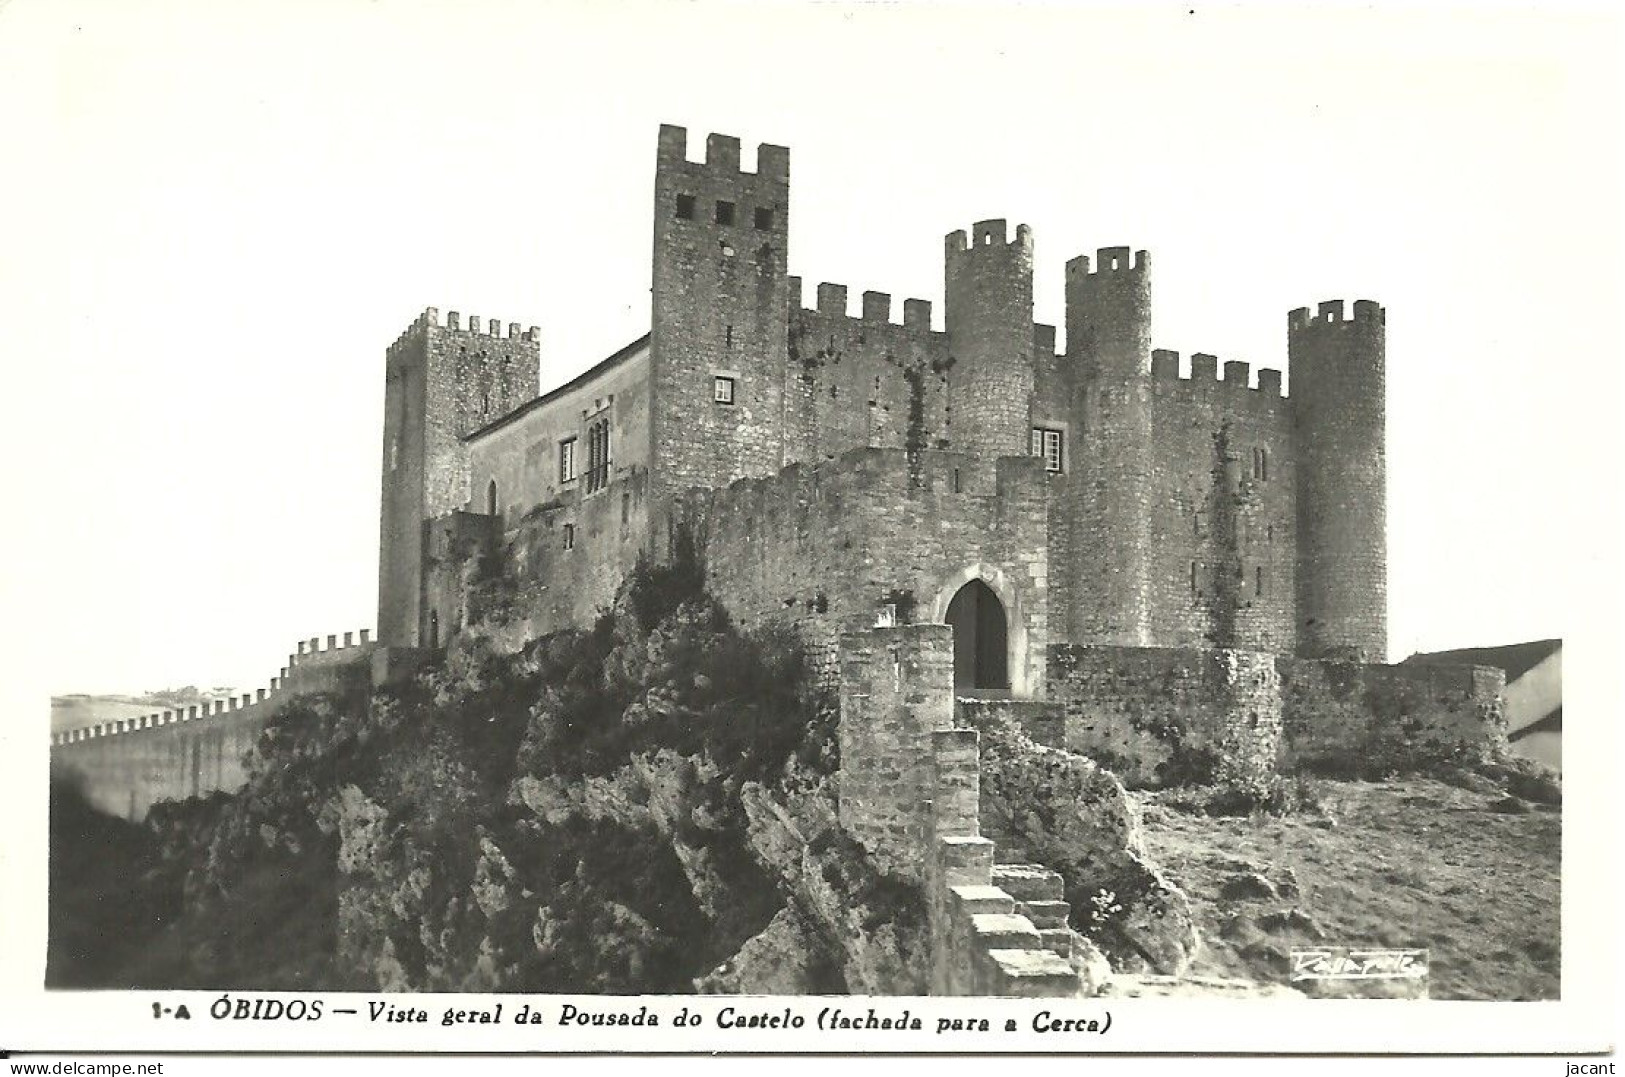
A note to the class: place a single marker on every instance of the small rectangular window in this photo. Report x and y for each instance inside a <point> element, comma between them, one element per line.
<point>1051,445</point>
<point>685,207</point>
<point>725,212</point>
<point>569,536</point>
<point>567,460</point>
<point>722,389</point>
<point>764,218</point>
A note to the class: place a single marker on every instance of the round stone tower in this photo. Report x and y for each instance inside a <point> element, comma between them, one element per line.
<point>1108,337</point>
<point>1339,424</point>
<point>989,317</point>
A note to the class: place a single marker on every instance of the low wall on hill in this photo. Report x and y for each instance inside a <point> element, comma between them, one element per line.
<point>126,766</point>
<point>1163,716</point>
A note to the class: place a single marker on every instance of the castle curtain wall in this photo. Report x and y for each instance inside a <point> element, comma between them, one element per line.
<point>126,766</point>
<point>828,548</point>
<point>865,381</point>
<point>1223,501</point>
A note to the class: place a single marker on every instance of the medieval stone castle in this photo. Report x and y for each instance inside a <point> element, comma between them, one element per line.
<point>976,475</point>
<point>1174,573</point>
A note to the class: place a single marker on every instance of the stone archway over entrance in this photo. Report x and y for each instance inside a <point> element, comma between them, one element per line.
<point>981,638</point>
<point>994,595</point>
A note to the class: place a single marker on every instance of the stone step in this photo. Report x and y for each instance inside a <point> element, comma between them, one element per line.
<point>977,900</point>
<point>1057,940</point>
<point>1045,913</point>
<point>1029,882</point>
<point>1004,931</point>
<point>1028,973</point>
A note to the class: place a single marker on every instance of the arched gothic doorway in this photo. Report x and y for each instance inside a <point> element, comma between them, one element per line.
<point>980,638</point>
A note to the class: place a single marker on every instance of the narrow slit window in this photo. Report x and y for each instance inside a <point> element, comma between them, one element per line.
<point>1258,581</point>
<point>1193,577</point>
<point>569,536</point>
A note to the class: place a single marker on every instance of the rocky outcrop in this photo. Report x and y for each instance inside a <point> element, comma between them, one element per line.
<point>868,927</point>
<point>783,959</point>
<point>657,789</point>
<point>1062,810</point>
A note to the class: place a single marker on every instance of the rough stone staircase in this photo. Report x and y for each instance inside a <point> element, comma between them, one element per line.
<point>1001,928</point>
<point>1038,896</point>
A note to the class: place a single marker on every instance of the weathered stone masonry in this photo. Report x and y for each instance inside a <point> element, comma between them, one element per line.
<point>909,792</point>
<point>1162,716</point>
<point>831,547</point>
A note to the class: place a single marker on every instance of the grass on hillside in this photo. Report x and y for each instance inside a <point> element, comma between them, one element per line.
<point>1473,876</point>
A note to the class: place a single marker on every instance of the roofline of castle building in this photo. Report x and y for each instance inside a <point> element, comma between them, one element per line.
<point>576,382</point>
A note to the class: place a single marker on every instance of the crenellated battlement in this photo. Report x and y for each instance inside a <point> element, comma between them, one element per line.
<point>1204,370</point>
<point>989,234</point>
<point>722,154</point>
<point>339,649</point>
<point>875,309</point>
<point>474,326</point>
<point>1332,312</point>
<point>1108,261</point>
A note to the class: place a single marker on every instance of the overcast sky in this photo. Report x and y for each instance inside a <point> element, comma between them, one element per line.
<point>217,216</point>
